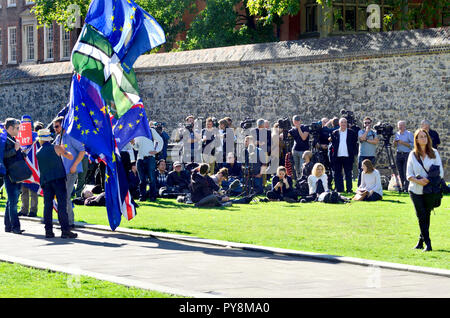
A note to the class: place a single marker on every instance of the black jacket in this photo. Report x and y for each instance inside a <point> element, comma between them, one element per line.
<point>182,180</point>
<point>352,144</point>
<point>201,187</point>
<point>10,154</point>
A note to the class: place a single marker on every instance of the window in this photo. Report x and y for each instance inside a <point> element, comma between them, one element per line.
<point>12,3</point>
<point>28,2</point>
<point>48,42</point>
<point>65,44</point>
<point>29,43</point>
<point>311,16</point>
<point>12,45</point>
<point>351,15</point>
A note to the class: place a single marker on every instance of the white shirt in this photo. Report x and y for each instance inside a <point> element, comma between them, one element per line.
<point>414,169</point>
<point>371,181</point>
<point>312,182</point>
<point>343,151</point>
<point>143,145</point>
<point>129,148</point>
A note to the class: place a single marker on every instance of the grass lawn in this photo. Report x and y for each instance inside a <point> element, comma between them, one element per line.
<point>385,230</point>
<point>17,281</point>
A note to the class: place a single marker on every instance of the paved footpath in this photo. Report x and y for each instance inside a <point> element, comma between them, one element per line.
<point>208,271</point>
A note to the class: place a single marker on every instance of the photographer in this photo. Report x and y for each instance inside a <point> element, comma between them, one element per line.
<point>282,189</point>
<point>190,138</point>
<point>300,133</point>
<point>404,142</point>
<point>159,127</point>
<point>368,141</point>
<point>344,148</point>
<point>254,167</point>
<point>208,138</point>
<point>425,124</point>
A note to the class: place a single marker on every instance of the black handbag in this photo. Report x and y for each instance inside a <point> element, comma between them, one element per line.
<point>18,170</point>
<point>434,187</point>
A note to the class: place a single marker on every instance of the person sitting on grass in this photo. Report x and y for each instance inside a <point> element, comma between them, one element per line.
<point>161,175</point>
<point>203,187</point>
<point>178,180</point>
<point>220,176</point>
<point>282,189</point>
<point>307,165</point>
<point>318,180</point>
<point>370,182</point>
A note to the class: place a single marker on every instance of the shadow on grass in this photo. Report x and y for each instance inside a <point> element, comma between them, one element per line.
<point>159,230</point>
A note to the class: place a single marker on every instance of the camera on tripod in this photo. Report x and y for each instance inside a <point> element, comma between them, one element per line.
<point>284,124</point>
<point>314,128</point>
<point>384,129</point>
<point>247,123</point>
<point>349,116</point>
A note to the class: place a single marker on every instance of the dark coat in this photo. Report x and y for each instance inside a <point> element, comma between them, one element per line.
<point>201,187</point>
<point>352,144</point>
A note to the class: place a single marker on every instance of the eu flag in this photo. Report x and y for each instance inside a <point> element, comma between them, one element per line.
<point>88,121</point>
<point>130,29</point>
<point>131,125</point>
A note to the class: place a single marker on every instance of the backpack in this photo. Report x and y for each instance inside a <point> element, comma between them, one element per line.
<point>302,187</point>
<point>329,197</point>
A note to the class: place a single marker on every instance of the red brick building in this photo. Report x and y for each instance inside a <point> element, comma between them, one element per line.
<point>21,42</point>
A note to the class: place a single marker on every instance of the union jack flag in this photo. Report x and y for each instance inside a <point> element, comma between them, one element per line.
<point>31,160</point>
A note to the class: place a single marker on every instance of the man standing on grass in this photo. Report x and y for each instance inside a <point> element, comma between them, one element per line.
<point>53,183</point>
<point>71,166</point>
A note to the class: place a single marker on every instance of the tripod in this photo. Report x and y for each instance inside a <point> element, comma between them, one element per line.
<point>391,161</point>
<point>249,186</point>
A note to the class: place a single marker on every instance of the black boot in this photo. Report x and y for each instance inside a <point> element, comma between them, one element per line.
<point>427,246</point>
<point>68,234</point>
<point>419,245</point>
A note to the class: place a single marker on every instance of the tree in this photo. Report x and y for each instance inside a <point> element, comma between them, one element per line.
<point>272,11</point>
<point>169,14</point>
<point>225,23</point>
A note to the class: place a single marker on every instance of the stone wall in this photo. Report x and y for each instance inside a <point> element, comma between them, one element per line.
<point>387,76</point>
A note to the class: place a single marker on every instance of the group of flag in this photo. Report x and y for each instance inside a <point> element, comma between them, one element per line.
<point>105,111</point>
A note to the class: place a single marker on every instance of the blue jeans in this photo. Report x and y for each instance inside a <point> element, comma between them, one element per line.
<point>146,170</point>
<point>12,222</point>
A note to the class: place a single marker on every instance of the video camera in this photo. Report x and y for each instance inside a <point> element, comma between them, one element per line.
<point>384,129</point>
<point>247,123</point>
<point>284,124</point>
<point>349,116</point>
<point>314,128</point>
<point>159,126</point>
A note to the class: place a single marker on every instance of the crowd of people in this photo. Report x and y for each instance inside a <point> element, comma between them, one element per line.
<point>219,164</point>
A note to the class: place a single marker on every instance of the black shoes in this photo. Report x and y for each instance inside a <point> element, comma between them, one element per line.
<point>68,234</point>
<point>18,231</point>
<point>427,246</point>
<point>49,235</point>
<point>419,245</point>
<point>32,214</point>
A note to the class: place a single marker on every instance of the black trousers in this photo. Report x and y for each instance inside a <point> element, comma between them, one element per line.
<point>423,204</point>
<point>345,163</point>
<point>58,188</point>
<point>401,161</point>
<point>277,195</point>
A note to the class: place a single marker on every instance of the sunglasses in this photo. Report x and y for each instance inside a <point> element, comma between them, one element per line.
<point>57,127</point>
